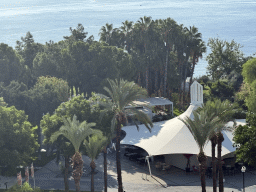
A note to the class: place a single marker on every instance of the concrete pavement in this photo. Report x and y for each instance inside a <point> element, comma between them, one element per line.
<point>134,178</point>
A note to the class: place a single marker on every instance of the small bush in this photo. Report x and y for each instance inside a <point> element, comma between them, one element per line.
<point>177,112</point>
<point>25,188</point>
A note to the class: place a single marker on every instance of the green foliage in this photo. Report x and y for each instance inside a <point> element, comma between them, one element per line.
<point>2,102</point>
<point>77,34</point>
<point>245,136</point>
<point>249,71</point>
<point>225,110</point>
<point>224,58</point>
<point>203,80</point>
<point>87,65</point>
<point>77,105</point>
<point>58,86</point>
<point>156,54</point>
<point>122,94</point>
<point>202,127</point>
<point>43,65</point>
<point>157,48</point>
<point>10,64</point>
<point>248,89</point>
<point>75,131</point>
<point>84,109</point>
<point>26,187</point>
<point>235,80</point>
<point>221,89</point>
<point>17,140</point>
<point>177,112</point>
<point>28,49</point>
<point>45,96</point>
<point>94,145</point>
<point>13,94</point>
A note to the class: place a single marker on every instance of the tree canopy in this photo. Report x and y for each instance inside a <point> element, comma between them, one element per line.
<point>17,139</point>
<point>248,89</point>
<point>245,136</point>
<point>10,64</point>
<point>224,58</point>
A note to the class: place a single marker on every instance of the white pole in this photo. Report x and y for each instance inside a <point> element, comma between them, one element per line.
<point>148,165</point>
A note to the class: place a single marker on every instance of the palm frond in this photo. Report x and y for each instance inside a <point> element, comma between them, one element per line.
<point>202,127</point>
<point>75,132</point>
<point>121,94</point>
<point>224,110</point>
<point>124,92</point>
<point>137,114</point>
<point>95,145</point>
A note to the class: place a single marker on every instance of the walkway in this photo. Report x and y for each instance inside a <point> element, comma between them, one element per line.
<point>134,178</point>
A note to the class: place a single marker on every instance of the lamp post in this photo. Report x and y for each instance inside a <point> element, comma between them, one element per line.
<point>243,171</point>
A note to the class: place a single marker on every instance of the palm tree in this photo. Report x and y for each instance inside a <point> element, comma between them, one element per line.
<point>197,46</point>
<point>225,111</point>
<point>144,24</point>
<point>75,132</point>
<point>106,33</point>
<point>168,28</point>
<point>106,114</point>
<point>214,139</point>
<point>126,29</point>
<point>105,164</point>
<point>202,128</point>
<point>122,94</point>
<point>94,147</point>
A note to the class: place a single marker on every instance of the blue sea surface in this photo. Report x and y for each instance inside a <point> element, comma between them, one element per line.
<point>50,20</point>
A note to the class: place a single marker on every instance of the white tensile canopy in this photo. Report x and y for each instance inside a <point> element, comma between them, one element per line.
<point>173,136</point>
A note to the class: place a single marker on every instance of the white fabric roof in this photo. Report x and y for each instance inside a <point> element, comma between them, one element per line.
<point>172,137</point>
<point>153,101</point>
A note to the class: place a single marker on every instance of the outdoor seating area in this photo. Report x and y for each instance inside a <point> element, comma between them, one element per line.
<point>135,154</point>
<point>162,166</point>
<point>228,170</point>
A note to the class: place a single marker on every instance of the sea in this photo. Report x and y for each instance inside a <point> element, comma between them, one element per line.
<point>51,19</point>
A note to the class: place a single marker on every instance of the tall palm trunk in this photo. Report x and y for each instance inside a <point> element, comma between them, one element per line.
<point>184,83</point>
<point>139,79</point>
<point>181,76</point>
<point>118,161</point>
<point>165,72</point>
<point>156,82</point>
<point>202,165</point>
<point>77,169</point>
<point>147,79</point>
<point>66,174</point>
<point>192,72</point>
<point>93,166</point>
<point>214,180</point>
<point>105,170</point>
<point>220,140</point>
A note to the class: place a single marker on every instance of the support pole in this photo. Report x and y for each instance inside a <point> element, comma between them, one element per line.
<point>148,165</point>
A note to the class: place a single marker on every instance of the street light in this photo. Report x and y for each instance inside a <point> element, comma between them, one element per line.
<point>243,171</point>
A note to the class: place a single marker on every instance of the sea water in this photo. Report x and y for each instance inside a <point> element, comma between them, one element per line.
<point>50,20</point>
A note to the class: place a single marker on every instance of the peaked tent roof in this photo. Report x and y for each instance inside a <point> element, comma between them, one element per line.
<point>172,137</point>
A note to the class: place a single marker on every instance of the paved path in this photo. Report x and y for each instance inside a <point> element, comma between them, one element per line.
<point>133,175</point>
<point>176,180</point>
